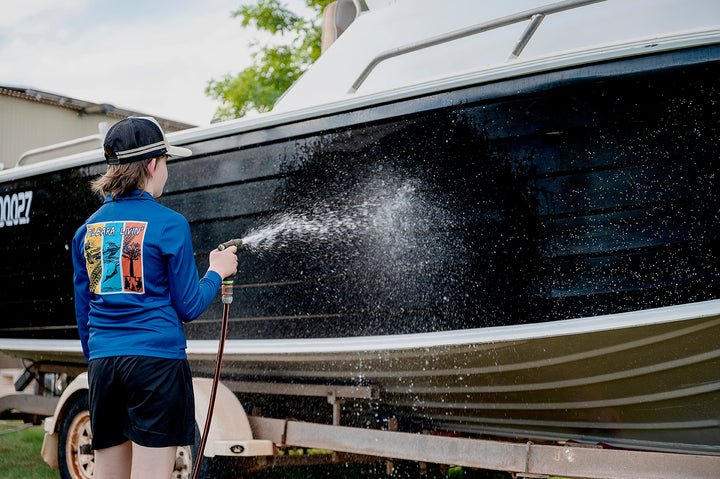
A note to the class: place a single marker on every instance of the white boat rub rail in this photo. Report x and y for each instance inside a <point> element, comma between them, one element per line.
<point>495,334</point>
<point>489,335</point>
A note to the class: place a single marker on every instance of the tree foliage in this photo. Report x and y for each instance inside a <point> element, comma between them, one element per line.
<point>294,46</point>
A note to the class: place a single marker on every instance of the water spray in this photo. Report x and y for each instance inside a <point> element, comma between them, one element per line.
<point>390,212</point>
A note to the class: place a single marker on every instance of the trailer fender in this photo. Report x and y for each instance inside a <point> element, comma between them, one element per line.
<point>50,441</point>
<point>230,432</point>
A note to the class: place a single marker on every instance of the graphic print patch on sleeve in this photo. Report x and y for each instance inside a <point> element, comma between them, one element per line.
<point>113,255</point>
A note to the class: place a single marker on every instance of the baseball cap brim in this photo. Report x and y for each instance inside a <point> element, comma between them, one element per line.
<point>178,151</point>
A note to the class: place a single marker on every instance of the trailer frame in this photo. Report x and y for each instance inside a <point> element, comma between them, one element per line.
<point>257,442</point>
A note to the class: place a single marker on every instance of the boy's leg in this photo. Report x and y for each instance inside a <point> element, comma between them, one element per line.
<point>114,462</point>
<point>152,462</point>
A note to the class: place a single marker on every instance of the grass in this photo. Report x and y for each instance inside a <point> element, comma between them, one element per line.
<point>376,470</point>
<point>20,452</point>
<point>404,470</point>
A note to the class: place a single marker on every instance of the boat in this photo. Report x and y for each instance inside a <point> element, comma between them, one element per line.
<point>502,219</point>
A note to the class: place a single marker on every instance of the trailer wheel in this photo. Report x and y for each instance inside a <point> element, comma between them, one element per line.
<point>183,463</point>
<point>75,457</point>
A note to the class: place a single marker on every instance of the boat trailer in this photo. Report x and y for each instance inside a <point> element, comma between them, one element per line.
<point>528,460</point>
<point>524,459</point>
<point>267,440</point>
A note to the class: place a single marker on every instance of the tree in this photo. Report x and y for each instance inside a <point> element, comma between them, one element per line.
<point>276,65</point>
<point>132,251</point>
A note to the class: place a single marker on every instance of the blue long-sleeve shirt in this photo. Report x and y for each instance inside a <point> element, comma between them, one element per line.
<point>136,280</point>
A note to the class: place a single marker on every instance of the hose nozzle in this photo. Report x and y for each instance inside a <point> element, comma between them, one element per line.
<point>233,242</point>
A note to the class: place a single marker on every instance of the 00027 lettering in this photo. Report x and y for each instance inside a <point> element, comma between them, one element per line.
<point>15,209</point>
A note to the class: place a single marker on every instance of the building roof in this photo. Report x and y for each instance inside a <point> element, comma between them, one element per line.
<point>85,107</point>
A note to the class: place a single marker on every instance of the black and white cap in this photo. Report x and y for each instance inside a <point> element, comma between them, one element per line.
<point>138,138</point>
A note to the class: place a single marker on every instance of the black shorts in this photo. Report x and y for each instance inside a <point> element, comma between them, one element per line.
<point>146,400</point>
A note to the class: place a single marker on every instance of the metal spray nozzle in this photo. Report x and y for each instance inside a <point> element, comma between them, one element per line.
<point>233,242</point>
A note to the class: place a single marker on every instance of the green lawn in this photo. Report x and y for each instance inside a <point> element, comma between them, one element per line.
<point>403,470</point>
<point>20,452</point>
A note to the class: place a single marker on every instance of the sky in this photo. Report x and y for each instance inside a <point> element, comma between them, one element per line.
<point>151,56</point>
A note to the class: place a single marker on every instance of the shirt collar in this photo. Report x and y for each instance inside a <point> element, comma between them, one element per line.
<point>136,195</point>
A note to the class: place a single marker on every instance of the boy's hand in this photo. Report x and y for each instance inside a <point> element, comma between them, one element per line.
<point>224,262</point>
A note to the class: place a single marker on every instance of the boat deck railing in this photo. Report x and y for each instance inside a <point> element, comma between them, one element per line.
<point>535,16</point>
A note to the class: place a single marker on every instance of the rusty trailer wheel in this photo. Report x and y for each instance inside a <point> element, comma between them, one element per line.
<point>183,463</point>
<point>75,455</point>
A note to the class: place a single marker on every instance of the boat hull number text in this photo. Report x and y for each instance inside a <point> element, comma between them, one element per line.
<point>15,209</point>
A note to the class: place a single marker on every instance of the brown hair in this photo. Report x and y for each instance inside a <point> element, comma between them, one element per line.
<point>123,179</point>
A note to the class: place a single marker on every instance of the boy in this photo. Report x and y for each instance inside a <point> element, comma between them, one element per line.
<point>135,283</point>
